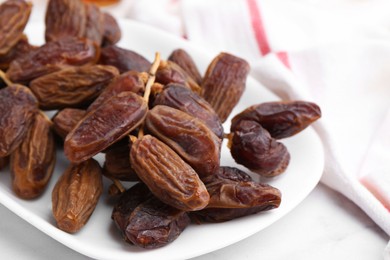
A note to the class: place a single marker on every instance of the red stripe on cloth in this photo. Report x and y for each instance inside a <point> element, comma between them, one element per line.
<point>283,57</point>
<point>258,27</point>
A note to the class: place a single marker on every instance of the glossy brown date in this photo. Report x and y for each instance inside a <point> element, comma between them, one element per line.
<point>188,136</point>
<point>14,16</point>
<point>124,60</point>
<point>170,72</point>
<point>72,87</point>
<point>76,195</point>
<point>51,57</point>
<point>224,83</point>
<point>281,118</point>
<point>112,33</point>
<point>253,147</point>
<point>168,177</point>
<point>18,107</point>
<point>182,98</point>
<point>32,163</point>
<point>66,119</point>
<point>65,19</point>
<point>94,26</point>
<point>132,81</point>
<point>107,124</point>
<point>185,61</point>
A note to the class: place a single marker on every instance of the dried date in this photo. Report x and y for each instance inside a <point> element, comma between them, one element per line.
<point>76,195</point>
<point>233,194</point>
<point>94,28</point>
<point>66,119</point>
<point>132,81</point>
<point>224,83</point>
<point>170,72</point>
<point>253,147</point>
<point>168,177</point>
<point>179,97</point>
<point>185,61</point>
<point>188,136</point>
<point>32,163</point>
<point>124,60</point>
<point>64,19</point>
<point>21,49</point>
<point>72,87</point>
<point>18,107</point>
<point>112,33</point>
<point>281,118</point>
<point>14,16</point>
<point>102,127</point>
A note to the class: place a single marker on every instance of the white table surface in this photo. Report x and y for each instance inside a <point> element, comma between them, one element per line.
<point>325,225</point>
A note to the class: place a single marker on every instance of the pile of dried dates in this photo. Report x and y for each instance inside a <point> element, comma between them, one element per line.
<point>159,124</point>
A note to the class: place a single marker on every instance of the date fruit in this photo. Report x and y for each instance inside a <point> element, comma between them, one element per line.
<point>170,72</point>
<point>65,19</point>
<point>168,177</point>
<point>124,60</point>
<point>32,163</point>
<point>280,118</point>
<point>14,16</point>
<point>234,194</point>
<point>21,49</point>
<point>253,147</point>
<point>182,98</point>
<point>76,195</point>
<point>188,136</point>
<point>112,33</point>
<point>18,107</point>
<point>51,57</point>
<point>102,127</point>
<point>66,119</point>
<point>184,60</point>
<point>224,83</point>
<point>117,164</point>
<point>72,87</point>
<point>94,28</point>
<point>132,81</point>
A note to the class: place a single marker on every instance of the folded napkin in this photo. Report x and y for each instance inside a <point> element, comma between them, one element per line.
<point>335,53</point>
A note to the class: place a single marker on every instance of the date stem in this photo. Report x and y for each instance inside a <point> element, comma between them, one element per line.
<point>5,78</point>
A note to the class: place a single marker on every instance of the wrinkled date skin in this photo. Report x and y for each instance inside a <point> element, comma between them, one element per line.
<point>170,72</point>
<point>253,147</point>
<point>64,19</point>
<point>185,61</point>
<point>76,195</point>
<point>117,164</point>
<point>21,49</point>
<point>188,136</point>
<point>224,83</point>
<point>66,119</point>
<point>179,97</point>
<point>124,60</point>
<point>153,224</point>
<point>14,16</point>
<point>104,126</point>
<point>33,162</point>
<point>233,194</point>
<point>72,87</point>
<point>95,24</point>
<point>18,107</point>
<point>51,57</point>
<point>112,33</point>
<point>281,118</point>
<point>145,221</point>
<point>132,81</point>
<point>168,177</point>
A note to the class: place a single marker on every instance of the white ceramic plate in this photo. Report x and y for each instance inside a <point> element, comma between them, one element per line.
<point>100,239</point>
